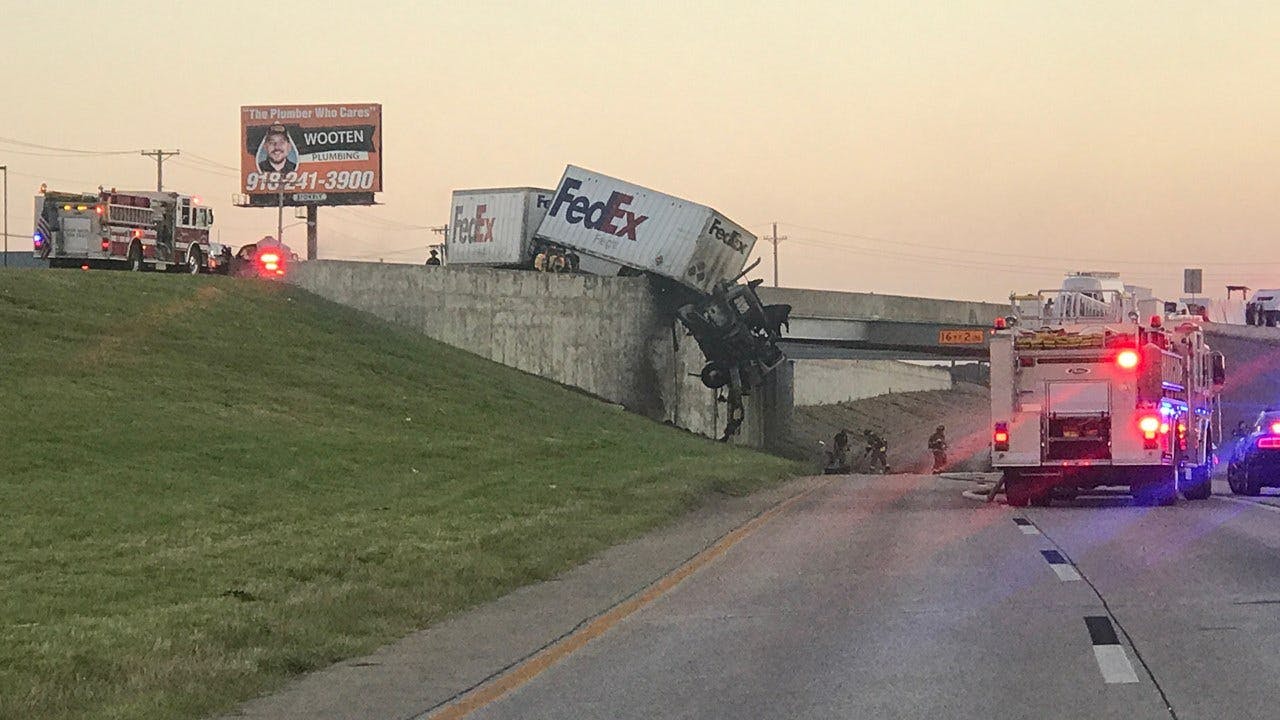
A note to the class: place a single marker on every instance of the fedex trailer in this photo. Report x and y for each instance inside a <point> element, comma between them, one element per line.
<point>635,227</point>
<point>494,226</point>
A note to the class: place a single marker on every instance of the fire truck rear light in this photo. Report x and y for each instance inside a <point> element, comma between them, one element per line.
<point>270,266</point>
<point>1275,428</point>
<point>1127,359</point>
<point>37,239</point>
<point>1000,437</point>
<point>137,233</point>
<point>84,267</point>
<point>1000,323</point>
<point>269,258</point>
<point>106,245</point>
<point>98,209</point>
<point>1269,443</point>
<point>1149,424</point>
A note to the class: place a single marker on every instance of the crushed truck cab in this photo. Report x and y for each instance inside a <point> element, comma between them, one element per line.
<point>1091,386</point>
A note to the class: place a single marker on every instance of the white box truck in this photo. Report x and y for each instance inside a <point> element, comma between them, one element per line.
<point>643,229</point>
<point>495,226</point>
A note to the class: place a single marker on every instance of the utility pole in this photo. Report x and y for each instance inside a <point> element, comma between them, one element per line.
<point>5,168</point>
<point>776,237</point>
<point>160,156</point>
<point>443,232</point>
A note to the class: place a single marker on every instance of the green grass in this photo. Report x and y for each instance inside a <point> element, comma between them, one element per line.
<point>209,485</point>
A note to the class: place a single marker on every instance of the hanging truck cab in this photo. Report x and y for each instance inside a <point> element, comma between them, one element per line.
<point>1085,394</point>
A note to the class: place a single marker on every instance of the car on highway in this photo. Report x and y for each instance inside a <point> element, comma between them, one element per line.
<point>268,260</point>
<point>1255,458</point>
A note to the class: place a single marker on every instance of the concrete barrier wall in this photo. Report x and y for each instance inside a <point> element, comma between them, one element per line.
<point>585,331</point>
<point>826,382</point>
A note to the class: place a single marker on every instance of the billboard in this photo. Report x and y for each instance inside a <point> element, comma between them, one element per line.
<point>327,154</point>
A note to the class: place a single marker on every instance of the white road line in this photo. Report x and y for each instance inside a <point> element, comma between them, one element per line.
<point>1114,663</point>
<point>1065,572</point>
<point>1029,529</point>
<point>1251,503</point>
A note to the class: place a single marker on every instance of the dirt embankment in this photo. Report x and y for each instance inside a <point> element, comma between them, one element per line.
<point>905,420</point>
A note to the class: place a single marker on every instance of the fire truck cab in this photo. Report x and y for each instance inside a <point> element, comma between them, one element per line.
<point>1091,386</point>
<point>139,230</point>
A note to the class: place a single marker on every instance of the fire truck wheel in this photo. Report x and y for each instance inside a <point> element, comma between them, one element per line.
<point>194,261</point>
<point>135,258</point>
<point>1016,490</point>
<point>1199,487</point>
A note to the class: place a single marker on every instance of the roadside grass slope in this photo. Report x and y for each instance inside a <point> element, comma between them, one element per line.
<point>209,485</point>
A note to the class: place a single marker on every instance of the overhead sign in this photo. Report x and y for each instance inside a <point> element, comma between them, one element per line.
<point>1192,281</point>
<point>961,337</point>
<point>314,153</point>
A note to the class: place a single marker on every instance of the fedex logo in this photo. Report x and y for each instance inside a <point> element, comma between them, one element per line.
<point>610,216</point>
<point>732,239</point>
<point>477,229</point>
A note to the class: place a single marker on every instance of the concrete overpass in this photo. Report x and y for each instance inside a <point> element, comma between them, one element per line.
<point>850,325</point>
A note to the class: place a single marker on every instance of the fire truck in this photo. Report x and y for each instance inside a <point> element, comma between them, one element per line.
<point>139,230</point>
<point>1092,386</point>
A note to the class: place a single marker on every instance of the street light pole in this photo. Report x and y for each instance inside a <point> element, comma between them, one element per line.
<point>5,168</point>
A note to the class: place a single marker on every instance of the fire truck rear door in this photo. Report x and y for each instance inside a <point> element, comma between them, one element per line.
<point>75,235</point>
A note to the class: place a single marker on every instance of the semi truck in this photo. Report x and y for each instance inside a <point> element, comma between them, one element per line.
<point>1092,386</point>
<point>137,230</point>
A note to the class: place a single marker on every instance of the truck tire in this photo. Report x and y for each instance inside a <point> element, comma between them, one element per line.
<point>1017,491</point>
<point>1199,487</point>
<point>1162,490</point>
<point>194,261</point>
<point>135,258</point>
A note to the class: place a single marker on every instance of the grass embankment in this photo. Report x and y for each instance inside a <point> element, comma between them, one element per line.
<point>208,485</point>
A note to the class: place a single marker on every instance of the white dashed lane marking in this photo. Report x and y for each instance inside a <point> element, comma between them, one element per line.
<point>1025,526</point>
<point>1064,569</point>
<point>1112,659</point>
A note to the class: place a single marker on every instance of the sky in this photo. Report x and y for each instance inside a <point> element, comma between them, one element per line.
<point>953,149</point>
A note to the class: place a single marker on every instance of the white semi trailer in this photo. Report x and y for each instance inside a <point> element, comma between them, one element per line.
<point>614,220</point>
<point>494,227</point>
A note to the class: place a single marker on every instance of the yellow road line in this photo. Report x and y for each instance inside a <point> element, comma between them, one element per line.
<point>554,653</point>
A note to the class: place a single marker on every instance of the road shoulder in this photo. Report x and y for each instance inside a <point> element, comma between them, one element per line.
<point>428,668</point>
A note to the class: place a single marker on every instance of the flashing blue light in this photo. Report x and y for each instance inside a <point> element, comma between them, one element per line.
<point>38,239</point>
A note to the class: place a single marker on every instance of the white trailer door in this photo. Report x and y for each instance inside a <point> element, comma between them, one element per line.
<point>1079,398</point>
<point>75,236</point>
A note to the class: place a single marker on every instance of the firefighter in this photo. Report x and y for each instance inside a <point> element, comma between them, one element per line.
<point>876,452</point>
<point>434,258</point>
<point>840,451</point>
<point>938,444</point>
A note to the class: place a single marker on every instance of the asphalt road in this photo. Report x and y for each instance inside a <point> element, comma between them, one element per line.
<point>898,598</point>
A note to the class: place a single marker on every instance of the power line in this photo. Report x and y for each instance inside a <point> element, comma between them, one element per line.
<point>38,146</point>
<point>1075,261</point>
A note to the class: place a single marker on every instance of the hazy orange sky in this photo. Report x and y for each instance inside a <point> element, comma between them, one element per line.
<point>950,149</point>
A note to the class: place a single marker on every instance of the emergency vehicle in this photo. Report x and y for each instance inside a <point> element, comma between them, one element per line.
<point>1092,386</point>
<point>139,230</point>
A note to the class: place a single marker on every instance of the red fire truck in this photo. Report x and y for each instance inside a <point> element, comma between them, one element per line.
<point>139,230</point>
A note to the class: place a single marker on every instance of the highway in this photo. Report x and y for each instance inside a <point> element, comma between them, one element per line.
<point>896,597</point>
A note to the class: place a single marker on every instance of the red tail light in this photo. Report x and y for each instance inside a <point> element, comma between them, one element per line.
<point>1150,425</point>
<point>106,245</point>
<point>1000,436</point>
<point>1128,359</point>
<point>265,258</point>
<point>1269,443</point>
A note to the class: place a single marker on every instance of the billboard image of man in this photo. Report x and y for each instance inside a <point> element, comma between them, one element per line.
<point>277,152</point>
